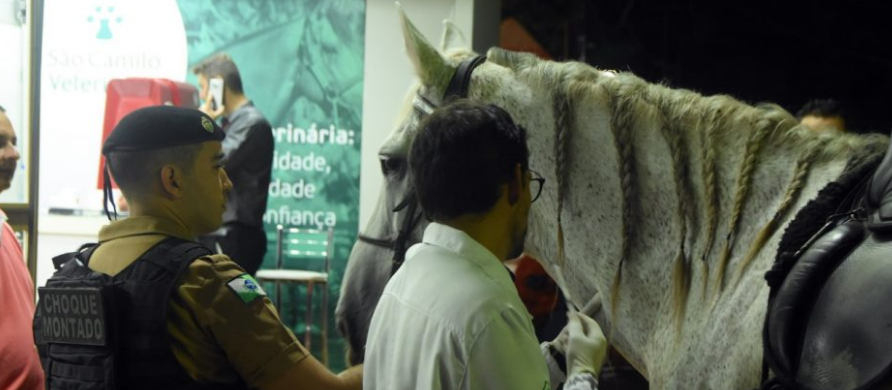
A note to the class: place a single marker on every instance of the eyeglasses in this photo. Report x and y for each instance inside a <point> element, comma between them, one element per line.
<point>536,189</point>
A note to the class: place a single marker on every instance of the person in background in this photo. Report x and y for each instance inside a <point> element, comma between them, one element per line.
<point>823,114</point>
<point>451,318</point>
<point>538,292</point>
<point>248,158</point>
<point>19,363</point>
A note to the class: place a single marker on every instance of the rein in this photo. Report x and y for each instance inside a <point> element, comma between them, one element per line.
<point>456,89</point>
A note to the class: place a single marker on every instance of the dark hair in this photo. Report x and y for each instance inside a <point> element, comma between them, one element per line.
<point>221,65</point>
<point>822,108</point>
<point>462,155</point>
<point>3,110</point>
<point>136,172</point>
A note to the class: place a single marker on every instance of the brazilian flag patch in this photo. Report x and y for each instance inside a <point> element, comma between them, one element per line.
<point>246,288</point>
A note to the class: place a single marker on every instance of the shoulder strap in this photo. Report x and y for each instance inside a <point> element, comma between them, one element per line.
<point>83,254</point>
<point>86,252</point>
<point>182,252</point>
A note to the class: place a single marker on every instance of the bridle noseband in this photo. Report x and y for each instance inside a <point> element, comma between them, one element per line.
<point>456,89</point>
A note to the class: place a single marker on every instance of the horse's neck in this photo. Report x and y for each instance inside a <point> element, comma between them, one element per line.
<point>669,192</point>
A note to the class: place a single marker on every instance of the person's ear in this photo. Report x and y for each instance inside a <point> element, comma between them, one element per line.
<point>515,186</point>
<point>171,181</point>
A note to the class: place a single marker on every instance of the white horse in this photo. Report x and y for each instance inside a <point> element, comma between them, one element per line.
<point>669,202</point>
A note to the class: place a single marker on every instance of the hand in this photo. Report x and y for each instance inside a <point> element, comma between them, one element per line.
<point>556,369</point>
<point>559,343</point>
<point>214,114</point>
<point>591,308</point>
<point>555,353</point>
<point>586,345</point>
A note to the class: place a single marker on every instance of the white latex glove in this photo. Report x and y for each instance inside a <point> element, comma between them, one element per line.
<point>556,375</point>
<point>586,345</point>
<point>559,343</point>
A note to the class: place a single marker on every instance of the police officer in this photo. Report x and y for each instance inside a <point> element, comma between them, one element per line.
<point>187,318</point>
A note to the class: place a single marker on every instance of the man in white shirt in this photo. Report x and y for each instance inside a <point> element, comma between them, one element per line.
<point>451,318</point>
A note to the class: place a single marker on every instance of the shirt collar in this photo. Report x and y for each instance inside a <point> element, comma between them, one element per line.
<point>239,112</point>
<point>464,246</point>
<point>144,225</point>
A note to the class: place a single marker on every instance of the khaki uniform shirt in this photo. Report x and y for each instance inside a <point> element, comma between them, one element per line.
<point>215,336</point>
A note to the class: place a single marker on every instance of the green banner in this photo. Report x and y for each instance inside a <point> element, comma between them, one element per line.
<point>301,62</point>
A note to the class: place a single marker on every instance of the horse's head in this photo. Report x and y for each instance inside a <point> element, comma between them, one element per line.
<point>514,81</point>
<point>396,222</point>
<point>452,72</point>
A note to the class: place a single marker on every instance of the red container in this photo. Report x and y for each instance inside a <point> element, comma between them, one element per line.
<point>124,96</point>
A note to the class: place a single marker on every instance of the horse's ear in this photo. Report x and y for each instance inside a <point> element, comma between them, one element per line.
<point>452,36</point>
<point>430,66</point>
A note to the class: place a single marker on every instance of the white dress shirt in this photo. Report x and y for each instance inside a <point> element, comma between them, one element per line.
<point>451,318</point>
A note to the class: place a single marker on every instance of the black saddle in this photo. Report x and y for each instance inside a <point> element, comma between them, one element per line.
<point>829,324</point>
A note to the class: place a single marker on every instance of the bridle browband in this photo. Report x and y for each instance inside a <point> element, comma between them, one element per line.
<point>456,89</point>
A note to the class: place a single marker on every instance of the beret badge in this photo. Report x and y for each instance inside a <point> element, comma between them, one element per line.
<point>206,123</point>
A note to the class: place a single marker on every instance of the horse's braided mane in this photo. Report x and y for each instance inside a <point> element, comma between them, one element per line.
<point>562,138</point>
<point>681,113</point>
<point>744,181</point>
<point>813,216</point>
<point>792,193</point>
<point>577,79</point>
<point>671,121</point>
<point>710,190</point>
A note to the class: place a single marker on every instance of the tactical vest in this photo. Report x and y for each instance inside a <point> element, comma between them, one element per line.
<point>95,331</point>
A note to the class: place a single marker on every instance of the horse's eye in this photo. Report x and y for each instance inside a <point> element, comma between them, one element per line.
<point>390,165</point>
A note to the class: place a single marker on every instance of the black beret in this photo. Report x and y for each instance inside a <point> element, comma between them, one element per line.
<point>159,127</point>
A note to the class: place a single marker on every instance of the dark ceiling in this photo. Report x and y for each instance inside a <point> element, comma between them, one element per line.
<point>780,51</point>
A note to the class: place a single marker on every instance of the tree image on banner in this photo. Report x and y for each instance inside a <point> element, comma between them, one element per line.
<point>301,63</point>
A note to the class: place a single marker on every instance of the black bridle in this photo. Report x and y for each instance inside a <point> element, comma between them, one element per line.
<point>401,243</point>
<point>457,89</point>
